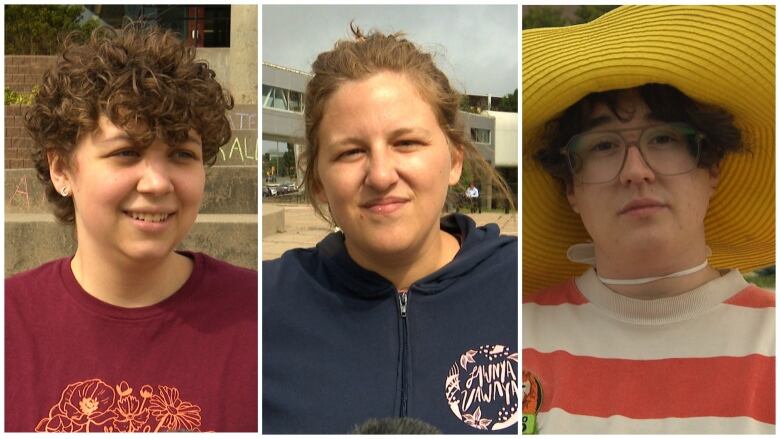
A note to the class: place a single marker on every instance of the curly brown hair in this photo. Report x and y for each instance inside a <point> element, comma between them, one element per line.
<point>665,102</point>
<point>141,77</point>
<point>366,55</point>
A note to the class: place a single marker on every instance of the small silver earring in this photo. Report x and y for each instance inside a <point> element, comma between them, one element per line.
<point>64,191</point>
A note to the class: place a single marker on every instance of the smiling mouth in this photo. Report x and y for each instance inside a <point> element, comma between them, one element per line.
<point>149,217</point>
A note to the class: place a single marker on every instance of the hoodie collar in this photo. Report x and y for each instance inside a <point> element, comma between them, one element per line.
<point>476,244</point>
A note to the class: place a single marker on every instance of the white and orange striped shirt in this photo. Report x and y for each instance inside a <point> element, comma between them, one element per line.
<point>700,362</point>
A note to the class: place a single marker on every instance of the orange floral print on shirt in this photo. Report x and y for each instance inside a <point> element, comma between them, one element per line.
<point>93,405</point>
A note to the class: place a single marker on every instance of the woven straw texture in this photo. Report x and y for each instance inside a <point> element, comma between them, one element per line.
<point>722,55</point>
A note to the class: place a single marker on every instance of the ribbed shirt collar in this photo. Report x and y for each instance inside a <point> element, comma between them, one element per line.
<point>660,311</point>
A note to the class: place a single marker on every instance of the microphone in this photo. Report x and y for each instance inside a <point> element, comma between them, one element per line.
<point>395,426</point>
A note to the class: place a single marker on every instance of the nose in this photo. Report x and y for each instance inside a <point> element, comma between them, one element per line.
<point>155,178</point>
<point>635,168</point>
<point>382,173</point>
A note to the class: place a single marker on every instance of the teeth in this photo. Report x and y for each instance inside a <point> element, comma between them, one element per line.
<point>151,217</point>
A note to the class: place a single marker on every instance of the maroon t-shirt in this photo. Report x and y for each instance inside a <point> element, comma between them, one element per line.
<point>75,363</point>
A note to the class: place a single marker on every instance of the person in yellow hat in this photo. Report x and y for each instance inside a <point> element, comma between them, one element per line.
<point>648,184</point>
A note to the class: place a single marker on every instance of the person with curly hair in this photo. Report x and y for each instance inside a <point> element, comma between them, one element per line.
<point>130,334</point>
<point>398,312</point>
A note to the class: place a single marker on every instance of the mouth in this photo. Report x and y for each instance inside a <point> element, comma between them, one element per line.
<point>385,204</point>
<point>642,207</point>
<point>149,217</point>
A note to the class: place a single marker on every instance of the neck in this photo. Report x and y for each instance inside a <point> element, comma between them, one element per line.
<point>403,270</point>
<point>657,262</point>
<point>130,284</point>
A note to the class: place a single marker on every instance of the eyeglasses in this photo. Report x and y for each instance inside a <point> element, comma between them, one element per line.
<point>599,156</point>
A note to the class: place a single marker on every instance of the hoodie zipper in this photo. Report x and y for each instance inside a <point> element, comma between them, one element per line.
<point>403,304</point>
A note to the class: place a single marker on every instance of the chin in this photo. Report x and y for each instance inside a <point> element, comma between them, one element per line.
<point>149,252</point>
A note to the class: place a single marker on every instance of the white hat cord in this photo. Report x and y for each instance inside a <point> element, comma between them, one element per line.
<point>585,254</point>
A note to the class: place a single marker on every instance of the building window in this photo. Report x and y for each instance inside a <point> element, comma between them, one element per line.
<point>282,99</point>
<point>480,135</point>
<point>203,26</point>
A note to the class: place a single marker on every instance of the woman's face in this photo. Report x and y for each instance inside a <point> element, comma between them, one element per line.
<point>384,165</point>
<point>131,202</point>
<point>641,212</point>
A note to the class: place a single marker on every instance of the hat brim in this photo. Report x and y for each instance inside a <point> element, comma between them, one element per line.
<point>719,55</point>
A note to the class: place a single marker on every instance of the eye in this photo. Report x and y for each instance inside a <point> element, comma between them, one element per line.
<point>349,154</point>
<point>408,142</point>
<point>603,147</point>
<point>663,138</point>
<point>185,155</point>
<point>126,153</point>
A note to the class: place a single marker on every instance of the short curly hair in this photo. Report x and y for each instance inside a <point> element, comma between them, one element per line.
<point>141,77</point>
<point>665,102</point>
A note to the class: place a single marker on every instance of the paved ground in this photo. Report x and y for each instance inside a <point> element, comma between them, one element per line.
<point>304,229</point>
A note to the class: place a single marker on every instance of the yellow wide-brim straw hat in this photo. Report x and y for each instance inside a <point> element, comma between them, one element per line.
<point>719,55</point>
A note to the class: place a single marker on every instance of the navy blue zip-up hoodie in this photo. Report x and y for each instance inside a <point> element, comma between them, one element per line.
<point>341,345</point>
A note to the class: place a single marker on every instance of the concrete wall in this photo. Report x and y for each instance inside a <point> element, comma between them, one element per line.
<point>472,120</point>
<point>284,77</point>
<point>243,53</point>
<point>505,138</point>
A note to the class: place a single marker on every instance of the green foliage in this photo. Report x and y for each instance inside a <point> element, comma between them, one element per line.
<point>552,16</point>
<point>40,29</point>
<point>464,105</point>
<point>589,13</point>
<point>508,103</point>
<point>288,161</point>
<point>543,16</point>
<point>19,98</point>
<point>763,280</point>
<point>267,165</point>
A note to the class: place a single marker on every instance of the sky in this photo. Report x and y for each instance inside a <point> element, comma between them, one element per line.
<point>476,46</point>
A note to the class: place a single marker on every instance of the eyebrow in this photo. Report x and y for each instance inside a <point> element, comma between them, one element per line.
<point>393,134</point>
<point>602,120</point>
<point>123,136</point>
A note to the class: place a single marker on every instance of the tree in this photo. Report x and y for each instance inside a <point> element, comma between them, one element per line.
<point>588,13</point>
<point>267,165</point>
<point>40,29</point>
<point>508,103</point>
<point>543,16</point>
<point>288,161</point>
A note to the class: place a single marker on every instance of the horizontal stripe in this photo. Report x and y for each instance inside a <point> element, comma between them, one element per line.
<point>585,330</point>
<point>753,297</point>
<point>567,293</point>
<point>558,421</point>
<point>652,389</point>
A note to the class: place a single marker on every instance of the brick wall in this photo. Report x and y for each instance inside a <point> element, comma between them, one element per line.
<point>18,144</point>
<point>22,72</point>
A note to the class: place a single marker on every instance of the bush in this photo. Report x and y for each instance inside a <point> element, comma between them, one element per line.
<point>19,98</point>
<point>40,29</point>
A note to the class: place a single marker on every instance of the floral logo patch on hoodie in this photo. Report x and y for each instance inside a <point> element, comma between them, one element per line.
<point>482,387</point>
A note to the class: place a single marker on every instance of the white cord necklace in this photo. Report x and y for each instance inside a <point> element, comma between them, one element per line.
<point>645,280</point>
<point>585,254</point>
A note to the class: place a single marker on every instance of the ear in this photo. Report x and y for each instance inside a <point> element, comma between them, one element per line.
<point>58,170</point>
<point>319,192</point>
<point>571,197</point>
<point>456,165</point>
<point>714,178</point>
